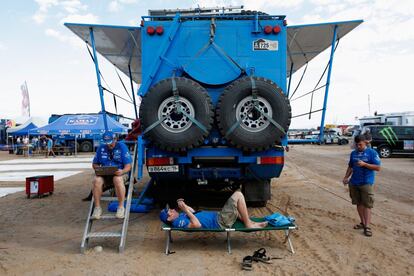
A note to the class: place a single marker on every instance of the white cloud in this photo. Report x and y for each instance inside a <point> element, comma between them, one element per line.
<point>134,22</point>
<point>128,1</point>
<point>263,5</point>
<point>114,6</point>
<point>73,6</point>
<point>3,47</point>
<point>44,5</point>
<point>78,18</point>
<point>73,40</point>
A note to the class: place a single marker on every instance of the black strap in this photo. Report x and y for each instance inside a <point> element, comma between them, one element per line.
<point>116,108</point>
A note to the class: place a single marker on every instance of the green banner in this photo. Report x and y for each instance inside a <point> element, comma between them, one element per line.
<point>389,134</point>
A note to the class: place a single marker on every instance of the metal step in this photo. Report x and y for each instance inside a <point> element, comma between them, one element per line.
<point>104,235</point>
<point>108,216</point>
<point>109,198</point>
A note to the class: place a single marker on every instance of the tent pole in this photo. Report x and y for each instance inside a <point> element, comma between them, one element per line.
<point>76,145</point>
<point>133,93</point>
<point>98,76</point>
<point>328,81</point>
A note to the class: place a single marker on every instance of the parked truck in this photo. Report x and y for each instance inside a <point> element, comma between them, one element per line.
<point>214,108</point>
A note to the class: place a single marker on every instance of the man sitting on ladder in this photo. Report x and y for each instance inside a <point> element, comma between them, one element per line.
<point>111,153</point>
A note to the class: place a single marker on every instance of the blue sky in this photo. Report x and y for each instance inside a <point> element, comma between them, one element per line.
<point>374,59</point>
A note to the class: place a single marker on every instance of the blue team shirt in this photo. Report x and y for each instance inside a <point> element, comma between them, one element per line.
<point>208,220</point>
<point>49,143</point>
<point>119,156</point>
<point>361,175</point>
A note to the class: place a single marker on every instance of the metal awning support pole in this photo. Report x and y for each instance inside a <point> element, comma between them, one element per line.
<point>98,77</point>
<point>133,93</point>
<point>140,143</point>
<point>328,80</point>
<point>290,79</point>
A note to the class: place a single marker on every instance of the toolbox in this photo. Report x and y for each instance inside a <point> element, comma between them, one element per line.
<point>39,185</point>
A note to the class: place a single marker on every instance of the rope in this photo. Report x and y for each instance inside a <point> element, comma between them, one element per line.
<point>324,71</point>
<point>109,90</point>
<point>300,81</point>
<point>123,85</point>
<point>301,96</point>
<point>303,114</point>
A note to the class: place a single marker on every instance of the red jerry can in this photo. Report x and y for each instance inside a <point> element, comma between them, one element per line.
<point>39,185</point>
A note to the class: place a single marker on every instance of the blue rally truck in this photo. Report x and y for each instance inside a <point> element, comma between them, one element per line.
<point>215,108</point>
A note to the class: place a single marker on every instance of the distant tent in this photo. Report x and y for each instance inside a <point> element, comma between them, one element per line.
<point>22,129</point>
<point>80,124</point>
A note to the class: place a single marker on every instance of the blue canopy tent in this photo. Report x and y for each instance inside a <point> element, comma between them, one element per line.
<point>80,125</point>
<point>21,130</point>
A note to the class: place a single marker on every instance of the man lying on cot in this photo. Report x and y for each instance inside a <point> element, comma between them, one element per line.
<point>235,208</point>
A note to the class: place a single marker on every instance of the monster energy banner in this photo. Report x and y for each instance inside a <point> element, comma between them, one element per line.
<point>389,134</point>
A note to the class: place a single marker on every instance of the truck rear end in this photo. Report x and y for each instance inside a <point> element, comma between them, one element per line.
<point>214,108</point>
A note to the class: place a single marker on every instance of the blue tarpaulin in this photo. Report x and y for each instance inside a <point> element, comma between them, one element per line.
<point>80,124</point>
<point>21,131</point>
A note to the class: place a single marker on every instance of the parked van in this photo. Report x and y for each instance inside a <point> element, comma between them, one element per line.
<point>389,140</point>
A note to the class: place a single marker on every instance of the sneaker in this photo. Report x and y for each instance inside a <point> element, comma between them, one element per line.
<point>97,212</point>
<point>120,213</point>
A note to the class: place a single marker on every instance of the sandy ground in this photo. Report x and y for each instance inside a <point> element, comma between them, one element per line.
<point>42,236</point>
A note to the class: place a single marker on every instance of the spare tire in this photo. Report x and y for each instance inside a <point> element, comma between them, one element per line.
<point>255,132</point>
<point>177,132</point>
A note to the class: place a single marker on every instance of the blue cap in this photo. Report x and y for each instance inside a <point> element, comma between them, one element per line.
<point>164,215</point>
<point>108,137</point>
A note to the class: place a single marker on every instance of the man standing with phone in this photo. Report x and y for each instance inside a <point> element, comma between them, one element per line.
<point>360,175</point>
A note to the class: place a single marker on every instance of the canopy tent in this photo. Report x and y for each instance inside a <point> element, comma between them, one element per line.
<point>23,129</point>
<point>80,124</point>
<point>307,41</point>
<point>120,45</point>
<point>18,131</point>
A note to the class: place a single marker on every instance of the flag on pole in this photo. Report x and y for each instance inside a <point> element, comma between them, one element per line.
<point>25,100</point>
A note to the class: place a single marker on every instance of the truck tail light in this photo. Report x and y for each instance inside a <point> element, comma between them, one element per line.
<point>150,30</point>
<point>270,160</point>
<point>159,30</point>
<point>160,161</point>
<point>268,29</point>
<point>276,29</point>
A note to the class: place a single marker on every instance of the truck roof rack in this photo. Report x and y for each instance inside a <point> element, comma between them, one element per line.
<point>222,13</point>
<point>197,11</point>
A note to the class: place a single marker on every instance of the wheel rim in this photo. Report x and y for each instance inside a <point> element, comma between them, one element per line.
<point>385,152</point>
<point>251,119</point>
<point>175,122</point>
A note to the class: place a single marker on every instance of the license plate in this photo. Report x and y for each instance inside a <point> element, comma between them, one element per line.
<point>163,168</point>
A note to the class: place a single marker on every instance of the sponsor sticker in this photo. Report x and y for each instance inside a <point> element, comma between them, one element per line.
<point>165,169</point>
<point>82,120</point>
<point>262,44</point>
<point>408,144</point>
